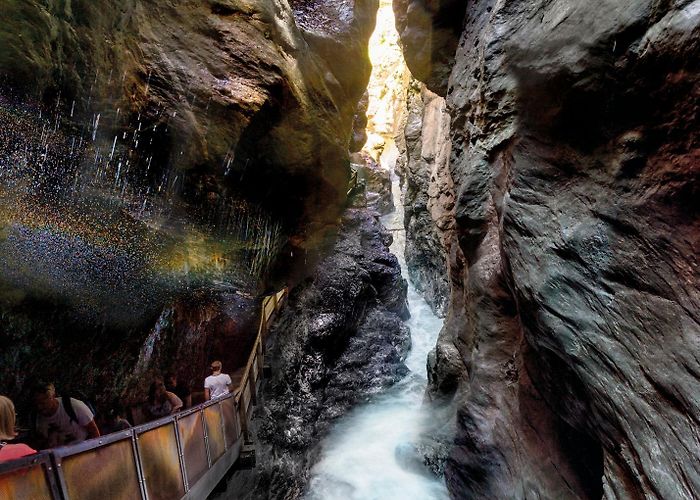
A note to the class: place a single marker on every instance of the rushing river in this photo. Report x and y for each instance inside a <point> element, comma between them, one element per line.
<point>362,457</point>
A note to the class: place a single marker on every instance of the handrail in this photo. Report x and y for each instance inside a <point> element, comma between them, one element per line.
<point>41,461</point>
<point>221,423</point>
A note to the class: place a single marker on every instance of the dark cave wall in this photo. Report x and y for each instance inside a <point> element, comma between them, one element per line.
<point>574,285</point>
<point>258,84</point>
<point>244,100</point>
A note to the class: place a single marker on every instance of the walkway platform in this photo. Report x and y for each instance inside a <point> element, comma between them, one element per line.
<point>183,456</point>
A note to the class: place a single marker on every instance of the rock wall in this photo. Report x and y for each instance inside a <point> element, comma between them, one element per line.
<point>429,33</point>
<point>423,165</point>
<point>234,92</point>
<point>339,340</point>
<point>386,90</point>
<point>574,285</point>
<point>200,104</point>
<point>376,182</point>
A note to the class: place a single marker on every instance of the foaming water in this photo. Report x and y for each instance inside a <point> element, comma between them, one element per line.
<point>369,453</point>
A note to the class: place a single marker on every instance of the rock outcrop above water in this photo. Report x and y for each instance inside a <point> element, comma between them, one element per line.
<point>573,315</point>
<point>339,340</point>
<point>375,181</point>
<point>423,164</point>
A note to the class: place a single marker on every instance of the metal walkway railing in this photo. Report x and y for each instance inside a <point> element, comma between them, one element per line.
<point>180,456</point>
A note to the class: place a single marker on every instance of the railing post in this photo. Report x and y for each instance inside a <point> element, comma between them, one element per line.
<point>223,424</point>
<point>139,465</point>
<point>243,420</point>
<point>57,466</point>
<point>181,456</point>
<point>252,383</point>
<point>52,478</point>
<point>206,436</point>
<point>237,419</point>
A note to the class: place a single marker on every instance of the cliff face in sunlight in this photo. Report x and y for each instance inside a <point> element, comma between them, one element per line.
<point>156,157</point>
<point>424,147</point>
<point>570,347</point>
<point>386,91</point>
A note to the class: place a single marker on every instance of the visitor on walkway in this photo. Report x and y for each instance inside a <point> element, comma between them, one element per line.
<point>180,389</point>
<point>61,421</point>
<point>10,451</point>
<point>217,384</point>
<point>114,420</point>
<point>161,402</point>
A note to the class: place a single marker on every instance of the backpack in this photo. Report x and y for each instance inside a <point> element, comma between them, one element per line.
<point>68,406</point>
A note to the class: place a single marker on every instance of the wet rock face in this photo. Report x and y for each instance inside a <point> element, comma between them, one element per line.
<point>218,100</point>
<point>574,283</point>
<point>188,336</point>
<point>429,34</point>
<point>239,91</point>
<point>339,340</point>
<point>376,181</point>
<point>423,165</point>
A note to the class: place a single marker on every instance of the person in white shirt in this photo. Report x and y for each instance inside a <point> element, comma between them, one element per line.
<point>217,384</point>
<point>57,425</point>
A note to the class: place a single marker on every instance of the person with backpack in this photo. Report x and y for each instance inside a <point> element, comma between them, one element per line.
<point>61,421</point>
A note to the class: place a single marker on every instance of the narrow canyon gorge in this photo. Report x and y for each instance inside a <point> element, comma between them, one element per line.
<point>479,213</point>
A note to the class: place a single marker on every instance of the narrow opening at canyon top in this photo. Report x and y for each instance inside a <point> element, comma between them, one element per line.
<point>375,450</point>
<point>387,86</point>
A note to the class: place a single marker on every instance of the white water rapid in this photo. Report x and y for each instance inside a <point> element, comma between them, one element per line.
<point>361,458</point>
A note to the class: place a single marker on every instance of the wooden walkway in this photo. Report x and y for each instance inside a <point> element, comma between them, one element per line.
<point>181,456</point>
